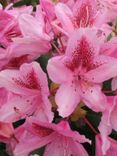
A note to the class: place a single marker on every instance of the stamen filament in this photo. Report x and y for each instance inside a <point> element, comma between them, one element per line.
<point>90,125</point>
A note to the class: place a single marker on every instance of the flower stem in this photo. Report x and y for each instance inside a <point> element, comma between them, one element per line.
<point>56,48</point>
<point>59,37</point>
<point>90,125</point>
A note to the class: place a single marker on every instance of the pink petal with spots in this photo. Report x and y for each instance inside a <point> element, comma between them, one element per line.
<point>63,139</point>
<point>106,70</point>
<point>30,79</point>
<point>86,38</point>
<point>18,107</point>
<point>94,98</point>
<point>84,13</point>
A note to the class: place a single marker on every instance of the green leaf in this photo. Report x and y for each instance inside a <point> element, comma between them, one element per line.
<point>3,153</point>
<point>38,151</point>
<point>26,2</point>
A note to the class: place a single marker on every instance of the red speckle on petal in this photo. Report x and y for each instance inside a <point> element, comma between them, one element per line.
<point>40,130</point>
<point>82,56</point>
<point>84,15</point>
<point>29,81</point>
<point>16,110</point>
<point>17,61</point>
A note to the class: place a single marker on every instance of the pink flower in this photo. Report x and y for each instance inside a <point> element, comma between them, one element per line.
<point>60,140</point>
<point>83,14</point>
<point>78,72</point>
<point>9,26</point>
<point>34,38</point>
<point>29,93</point>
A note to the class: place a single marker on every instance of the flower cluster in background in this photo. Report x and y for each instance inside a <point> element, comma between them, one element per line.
<point>58,77</point>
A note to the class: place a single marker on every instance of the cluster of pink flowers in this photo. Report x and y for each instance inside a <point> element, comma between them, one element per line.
<point>80,37</point>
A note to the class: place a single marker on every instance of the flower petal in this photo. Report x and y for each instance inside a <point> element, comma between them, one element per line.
<point>6,130</point>
<point>30,26</point>
<point>18,107</point>
<point>25,147</point>
<point>57,70</point>
<point>44,112</point>
<point>84,13</point>
<point>94,98</point>
<point>105,130</point>
<point>92,40</point>
<point>77,149</point>
<point>64,16</point>
<point>113,115</point>
<point>55,148</point>
<point>30,45</point>
<point>67,99</point>
<point>107,69</point>
<point>114,83</point>
<point>29,79</point>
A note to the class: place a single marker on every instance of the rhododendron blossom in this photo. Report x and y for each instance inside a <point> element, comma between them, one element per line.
<point>60,139</point>
<point>80,67</point>
<point>58,77</point>
<point>29,93</point>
